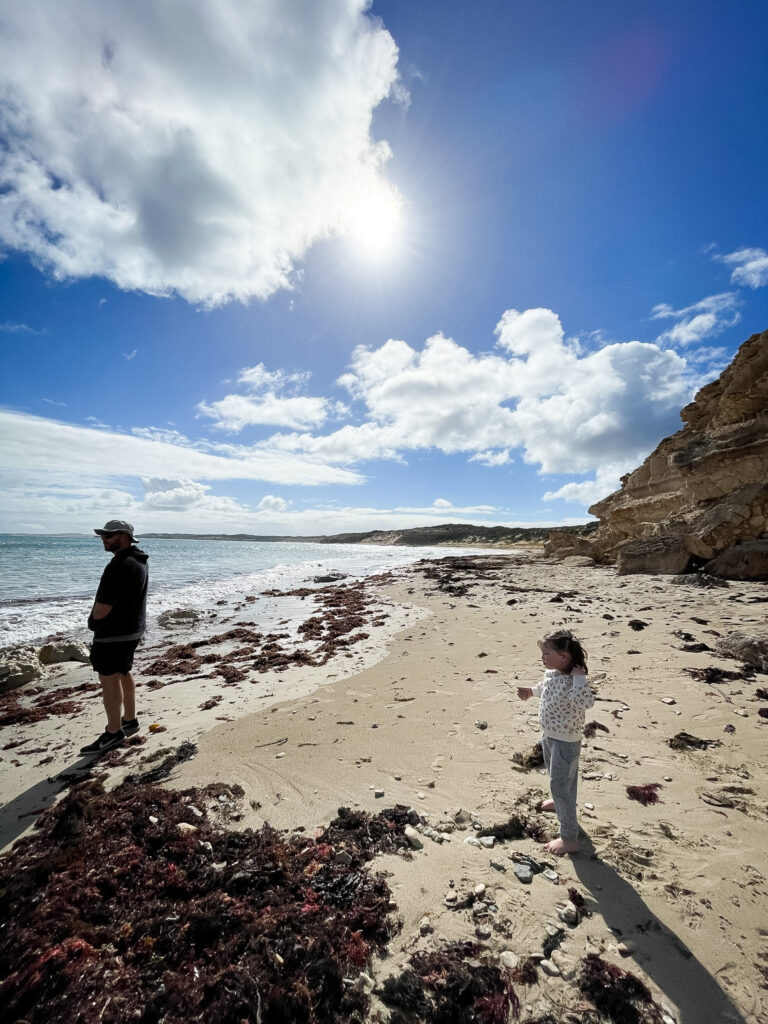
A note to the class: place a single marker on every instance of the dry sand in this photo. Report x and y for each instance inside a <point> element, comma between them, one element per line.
<point>683,883</point>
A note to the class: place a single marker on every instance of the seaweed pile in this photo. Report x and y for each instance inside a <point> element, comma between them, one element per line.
<point>343,609</point>
<point>451,986</point>
<point>52,702</point>
<point>621,996</point>
<point>134,905</point>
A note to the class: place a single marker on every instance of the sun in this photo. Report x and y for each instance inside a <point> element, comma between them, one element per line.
<point>374,224</point>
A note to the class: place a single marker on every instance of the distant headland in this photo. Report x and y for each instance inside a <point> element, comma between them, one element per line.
<point>450,534</point>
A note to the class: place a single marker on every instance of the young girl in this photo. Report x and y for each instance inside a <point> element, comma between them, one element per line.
<point>565,696</point>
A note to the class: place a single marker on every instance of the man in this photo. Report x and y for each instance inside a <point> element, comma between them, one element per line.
<point>118,620</point>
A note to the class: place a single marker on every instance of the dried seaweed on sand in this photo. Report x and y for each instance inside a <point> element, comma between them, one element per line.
<point>451,986</point>
<point>621,996</point>
<point>112,912</point>
<point>646,794</point>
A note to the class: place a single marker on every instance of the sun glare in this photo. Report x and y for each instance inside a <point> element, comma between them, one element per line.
<point>374,225</point>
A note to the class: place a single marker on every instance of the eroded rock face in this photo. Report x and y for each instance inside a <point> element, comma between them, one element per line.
<point>703,493</point>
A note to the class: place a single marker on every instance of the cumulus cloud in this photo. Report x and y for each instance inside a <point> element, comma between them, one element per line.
<point>704,319</point>
<point>10,327</point>
<point>271,503</point>
<point>266,403</point>
<point>568,412</point>
<point>585,492</point>
<point>197,149</point>
<point>750,267</point>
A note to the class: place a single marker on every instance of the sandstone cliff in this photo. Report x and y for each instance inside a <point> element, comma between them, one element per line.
<point>701,498</point>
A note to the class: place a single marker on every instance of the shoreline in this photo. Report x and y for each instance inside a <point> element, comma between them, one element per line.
<point>681,883</point>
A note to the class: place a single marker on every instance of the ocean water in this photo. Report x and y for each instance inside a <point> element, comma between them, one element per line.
<point>47,583</point>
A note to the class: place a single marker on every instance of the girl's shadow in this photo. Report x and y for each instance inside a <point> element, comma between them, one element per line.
<point>660,953</point>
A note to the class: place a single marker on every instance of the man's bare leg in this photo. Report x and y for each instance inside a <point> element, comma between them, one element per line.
<point>128,688</point>
<point>112,695</point>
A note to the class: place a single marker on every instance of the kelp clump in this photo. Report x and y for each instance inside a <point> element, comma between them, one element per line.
<point>451,986</point>
<point>133,905</point>
<point>618,994</point>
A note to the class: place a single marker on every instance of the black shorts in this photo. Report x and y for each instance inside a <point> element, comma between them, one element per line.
<point>108,659</point>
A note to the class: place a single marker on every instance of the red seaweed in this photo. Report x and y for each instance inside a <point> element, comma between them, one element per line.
<point>644,794</point>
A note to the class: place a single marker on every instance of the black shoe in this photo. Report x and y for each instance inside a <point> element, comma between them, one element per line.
<point>130,727</point>
<point>107,741</point>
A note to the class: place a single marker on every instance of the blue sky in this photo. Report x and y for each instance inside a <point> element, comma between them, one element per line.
<point>310,266</point>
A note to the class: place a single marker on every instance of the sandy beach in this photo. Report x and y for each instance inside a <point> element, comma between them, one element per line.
<point>422,711</point>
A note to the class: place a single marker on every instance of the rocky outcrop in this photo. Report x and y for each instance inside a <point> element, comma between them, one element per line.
<point>701,498</point>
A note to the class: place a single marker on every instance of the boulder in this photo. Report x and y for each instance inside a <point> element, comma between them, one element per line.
<point>741,562</point>
<point>583,560</point>
<point>703,491</point>
<point>18,665</point>
<point>63,650</point>
<point>178,617</point>
<point>750,649</point>
<point>652,555</point>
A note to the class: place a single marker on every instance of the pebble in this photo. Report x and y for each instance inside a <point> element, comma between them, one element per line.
<point>479,724</point>
<point>204,846</point>
<point>462,817</point>
<point>626,948</point>
<point>667,778</point>
<point>668,700</point>
<point>590,807</point>
<point>487,842</point>
<point>523,873</point>
<point>413,837</point>
<point>483,931</point>
<point>569,914</point>
<point>471,841</point>
<point>425,926</point>
<point>499,865</point>
<point>342,857</point>
<point>740,711</point>
<point>421,796</point>
<point>549,968</point>
<point>281,754</point>
<point>378,793</point>
<point>196,811</point>
<point>551,875</point>
<point>184,826</point>
<point>451,899</point>
<point>480,909</point>
<point>479,889</point>
<point>153,819</point>
<point>509,959</point>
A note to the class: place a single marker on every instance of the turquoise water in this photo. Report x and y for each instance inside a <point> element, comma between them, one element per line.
<point>47,583</point>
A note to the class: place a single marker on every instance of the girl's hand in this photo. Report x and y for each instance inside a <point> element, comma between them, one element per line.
<point>524,692</point>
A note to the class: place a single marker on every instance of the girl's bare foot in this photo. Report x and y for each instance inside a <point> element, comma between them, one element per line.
<point>547,805</point>
<point>560,847</point>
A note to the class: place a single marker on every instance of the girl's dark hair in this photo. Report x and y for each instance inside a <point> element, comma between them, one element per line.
<point>564,640</point>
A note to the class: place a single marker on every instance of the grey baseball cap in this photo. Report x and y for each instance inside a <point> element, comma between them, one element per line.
<point>116,526</point>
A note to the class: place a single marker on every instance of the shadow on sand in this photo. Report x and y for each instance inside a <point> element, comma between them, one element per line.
<point>660,953</point>
<point>18,814</point>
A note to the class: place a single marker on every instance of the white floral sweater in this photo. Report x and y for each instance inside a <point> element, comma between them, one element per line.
<point>564,699</point>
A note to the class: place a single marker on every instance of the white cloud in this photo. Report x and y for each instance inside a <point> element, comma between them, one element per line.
<point>568,412</point>
<point>34,445</point>
<point>441,503</point>
<point>266,404</point>
<point>606,480</point>
<point>198,148</point>
<point>9,327</point>
<point>750,267</point>
<point>704,319</point>
<point>271,503</point>
<point>130,355</point>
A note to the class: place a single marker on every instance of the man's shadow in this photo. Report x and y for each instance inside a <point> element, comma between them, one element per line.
<point>662,955</point>
<point>18,814</point>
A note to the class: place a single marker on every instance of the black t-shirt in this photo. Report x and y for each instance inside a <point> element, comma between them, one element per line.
<point>124,586</point>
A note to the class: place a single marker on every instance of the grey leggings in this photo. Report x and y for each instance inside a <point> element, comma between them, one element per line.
<point>561,760</point>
